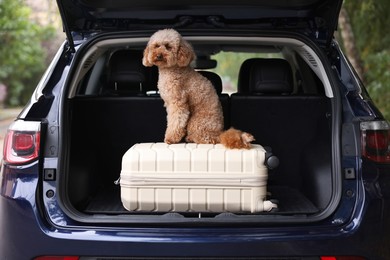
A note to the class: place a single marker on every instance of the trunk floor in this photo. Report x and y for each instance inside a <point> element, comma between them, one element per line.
<point>289,200</point>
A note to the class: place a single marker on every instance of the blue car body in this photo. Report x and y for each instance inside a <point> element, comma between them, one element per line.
<point>40,220</point>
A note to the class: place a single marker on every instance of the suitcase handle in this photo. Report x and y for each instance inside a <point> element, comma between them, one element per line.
<point>271,161</point>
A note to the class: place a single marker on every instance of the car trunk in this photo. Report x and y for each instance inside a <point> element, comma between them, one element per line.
<point>103,123</point>
<point>302,183</point>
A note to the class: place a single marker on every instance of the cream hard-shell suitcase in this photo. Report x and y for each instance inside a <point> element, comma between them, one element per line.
<point>190,177</point>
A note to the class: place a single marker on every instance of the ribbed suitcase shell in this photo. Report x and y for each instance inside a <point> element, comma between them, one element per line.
<point>195,178</point>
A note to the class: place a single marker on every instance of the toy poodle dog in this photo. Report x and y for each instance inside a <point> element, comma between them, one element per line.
<point>193,108</point>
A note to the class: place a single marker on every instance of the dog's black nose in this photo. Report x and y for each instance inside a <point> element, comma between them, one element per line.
<point>159,56</point>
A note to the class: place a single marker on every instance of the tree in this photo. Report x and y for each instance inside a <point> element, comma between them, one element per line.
<point>348,39</point>
<point>22,58</point>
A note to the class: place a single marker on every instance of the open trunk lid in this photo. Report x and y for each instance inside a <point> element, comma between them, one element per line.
<point>314,18</point>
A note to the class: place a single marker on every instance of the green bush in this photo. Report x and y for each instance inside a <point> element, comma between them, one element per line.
<point>22,58</point>
<point>377,67</point>
<point>369,20</point>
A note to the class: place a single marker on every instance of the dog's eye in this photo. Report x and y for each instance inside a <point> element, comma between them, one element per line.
<point>157,45</point>
<point>168,47</point>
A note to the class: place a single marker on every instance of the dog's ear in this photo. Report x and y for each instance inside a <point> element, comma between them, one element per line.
<point>145,59</point>
<point>185,54</point>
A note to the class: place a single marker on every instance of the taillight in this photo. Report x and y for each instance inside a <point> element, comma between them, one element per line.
<point>21,144</point>
<point>376,141</point>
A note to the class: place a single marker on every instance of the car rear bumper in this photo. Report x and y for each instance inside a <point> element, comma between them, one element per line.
<point>25,235</point>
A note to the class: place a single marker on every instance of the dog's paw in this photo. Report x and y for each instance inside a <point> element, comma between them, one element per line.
<point>173,138</point>
<point>169,141</point>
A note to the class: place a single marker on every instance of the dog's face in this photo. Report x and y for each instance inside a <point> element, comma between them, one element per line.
<point>166,48</point>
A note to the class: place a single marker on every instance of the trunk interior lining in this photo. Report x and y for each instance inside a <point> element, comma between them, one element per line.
<point>103,128</point>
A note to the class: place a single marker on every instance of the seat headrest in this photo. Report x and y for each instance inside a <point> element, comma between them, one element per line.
<point>243,75</point>
<point>214,78</point>
<point>127,65</point>
<point>270,76</point>
<point>126,70</point>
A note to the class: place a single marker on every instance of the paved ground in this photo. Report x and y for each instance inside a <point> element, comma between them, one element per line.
<point>7,116</point>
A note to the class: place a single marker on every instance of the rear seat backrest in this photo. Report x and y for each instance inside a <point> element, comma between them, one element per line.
<point>286,123</point>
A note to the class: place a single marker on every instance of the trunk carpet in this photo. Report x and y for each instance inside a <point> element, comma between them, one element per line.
<point>289,200</point>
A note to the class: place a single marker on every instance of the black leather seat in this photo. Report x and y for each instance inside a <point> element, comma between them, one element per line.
<point>265,76</point>
<point>266,107</point>
<point>126,74</point>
